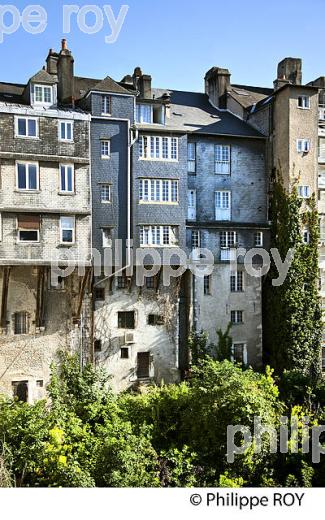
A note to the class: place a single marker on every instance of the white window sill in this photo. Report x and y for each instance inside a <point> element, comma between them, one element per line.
<point>158,159</point>
<point>105,157</point>
<point>66,244</point>
<point>104,114</point>
<point>155,202</point>
<point>17,190</point>
<point>66,193</point>
<point>303,108</point>
<point>158,245</point>
<point>26,242</point>
<point>35,138</point>
<point>106,201</point>
<point>67,141</point>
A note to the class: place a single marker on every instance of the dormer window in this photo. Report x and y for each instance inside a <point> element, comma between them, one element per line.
<point>43,95</point>
<point>150,114</point>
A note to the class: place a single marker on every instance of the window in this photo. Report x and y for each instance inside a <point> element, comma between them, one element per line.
<point>228,238</point>
<point>144,114</point>
<point>191,157</point>
<point>158,148</point>
<point>106,105</point>
<point>303,101</point>
<point>27,176</point>
<point>239,353</point>
<point>306,235</point>
<point>236,281</point>
<point>191,204</point>
<point>223,205</point>
<point>42,95</point>
<point>66,130</point>
<point>105,193</point>
<point>304,192</point>
<point>158,235</point>
<point>303,145</point>
<point>158,190</point>
<point>100,293</point>
<point>121,282</point>
<point>105,146</point>
<point>26,127</point>
<point>222,159</point>
<point>126,319</point>
<point>67,230</point>
<point>28,227</point>
<point>195,238</point>
<point>98,345</point>
<point>66,178</point>
<point>107,237</point>
<point>258,238</point>
<point>59,286</point>
<point>155,319</point>
<point>323,359</point>
<point>207,285</point>
<point>20,390</point>
<point>40,383</point>
<point>21,323</point>
<point>150,282</point>
<point>143,365</point>
<point>124,353</point>
<point>236,317</point>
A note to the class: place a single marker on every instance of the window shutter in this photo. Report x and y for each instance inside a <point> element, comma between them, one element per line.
<point>29,221</point>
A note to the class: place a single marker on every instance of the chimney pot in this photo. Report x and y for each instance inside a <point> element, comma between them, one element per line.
<point>64,44</point>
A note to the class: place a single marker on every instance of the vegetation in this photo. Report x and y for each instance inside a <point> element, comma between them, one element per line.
<point>292,314</point>
<point>169,436</point>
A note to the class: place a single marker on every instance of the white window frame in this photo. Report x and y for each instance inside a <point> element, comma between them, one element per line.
<point>106,105</point>
<point>191,157</point>
<point>107,241</point>
<point>228,239</point>
<point>305,102</point>
<point>153,148</point>
<point>207,285</point>
<point>236,314</point>
<point>139,116</point>
<point>73,229</point>
<point>258,242</point>
<point>306,235</point>
<point>155,235</point>
<point>28,241</point>
<point>27,189</point>
<point>106,187</point>
<point>154,191</point>
<point>103,143</point>
<point>303,145</point>
<point>195,239</point>
<point>304,191</point>
<point>222,207</point>
<point>27,136</point>
<point>43,102</point>
<point>234,274</point>
<point>65,124</point>
<point>222,159</point>
<point>65,168</point>
<point>244,351</point>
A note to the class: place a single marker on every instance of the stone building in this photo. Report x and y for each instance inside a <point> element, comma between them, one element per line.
<point>45,210</point>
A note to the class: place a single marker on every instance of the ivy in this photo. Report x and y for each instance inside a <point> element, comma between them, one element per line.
<point>292,313</point>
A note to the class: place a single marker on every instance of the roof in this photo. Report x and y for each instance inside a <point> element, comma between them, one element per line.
<point>11,92</point>
<point>42,76</point>
<point>193,112</point>
<point>109,85</point>
<point>247,96</point>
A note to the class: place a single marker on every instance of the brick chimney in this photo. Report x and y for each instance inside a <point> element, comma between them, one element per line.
<point>289,71</point>
<point>142,82</point>
<point>65,68</point>
<point>52,62</point>
<point>217,83</point>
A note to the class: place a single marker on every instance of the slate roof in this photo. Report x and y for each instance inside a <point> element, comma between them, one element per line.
<point>247,96</point>
<point>83,85</point>
<point>192,112</point>
<point>42,76</point>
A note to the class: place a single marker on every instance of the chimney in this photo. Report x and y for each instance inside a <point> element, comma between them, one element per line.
<point>217,83</point>
<point>142,82</point>
<point>52,62</point>
<point>289,71</point>
<point>65,69</point>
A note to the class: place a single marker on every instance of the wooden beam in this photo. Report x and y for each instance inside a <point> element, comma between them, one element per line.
<point>85,281</point>
<point>4,297</point>
<point>40,298</point>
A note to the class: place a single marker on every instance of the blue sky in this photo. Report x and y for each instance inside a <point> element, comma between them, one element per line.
<point>177,41</point>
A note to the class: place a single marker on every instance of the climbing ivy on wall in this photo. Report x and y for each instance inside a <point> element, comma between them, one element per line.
<point>292,312</point>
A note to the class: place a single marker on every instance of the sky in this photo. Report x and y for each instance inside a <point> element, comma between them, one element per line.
<point>175,41</point>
